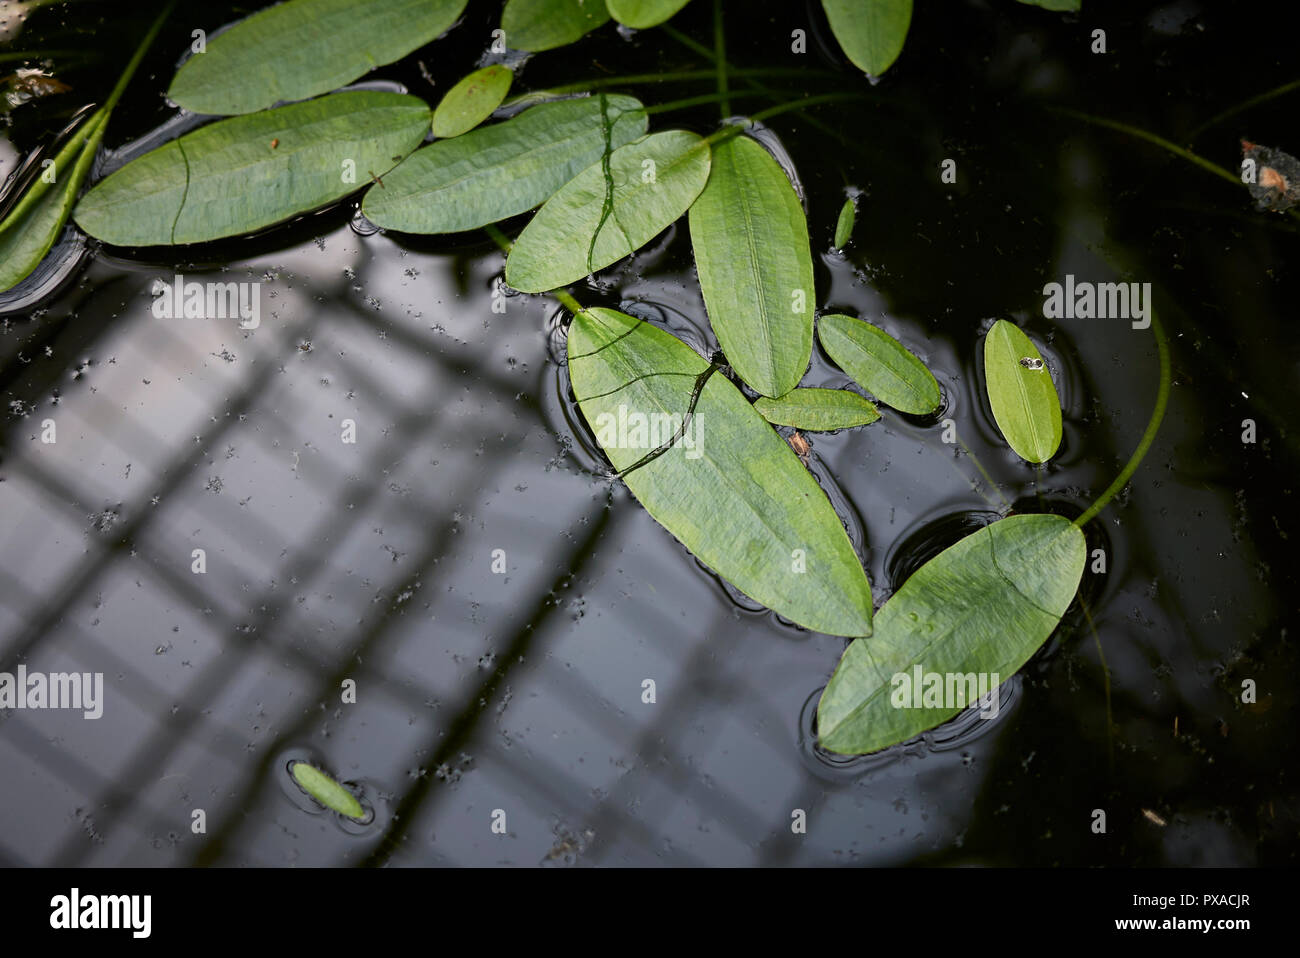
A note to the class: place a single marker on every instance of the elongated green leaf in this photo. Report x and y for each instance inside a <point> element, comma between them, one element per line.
<point>643,14</point>
<point>239,175</point>
<point>1021,392</point>
<point>980,608</point>
<point>815,410</point>
<point>471,101</point>
<point>730,489</point>
<point>500,170</point>
<point>327,791</point>
<point>751,247</point>
<point>649,184</point>
<point>535,25</point>
<point>301,48</point>
<point>880,364</point>
<point>870,32</point>
<point>844,226</point>
<point>1060,5</point>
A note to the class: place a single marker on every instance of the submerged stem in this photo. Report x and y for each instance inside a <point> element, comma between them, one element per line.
<point>1159,141</point>
<point>720,55</point>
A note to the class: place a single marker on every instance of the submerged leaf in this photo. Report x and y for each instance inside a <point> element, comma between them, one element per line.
<point>471,101</point>
<point>535,25</point>
<point>300,48</point>
<point>242,174</point>
<point>1021,392</point>
<point>817,410</point>
<point>880,364</point>
<point>751,247</point>
<point>500,170</point>
<point>643,14</point>
<point>980,608</point>
<point>729,488</point>
<point>870,32</point>
<point>648,185</point>
<point>327,791</point>
<point>844,226</point>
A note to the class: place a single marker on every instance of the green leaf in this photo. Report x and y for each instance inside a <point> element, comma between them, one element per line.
<point>500,170</point>
<point>1060,5</point>
<point>844,226</point>
<point>327,791</point>
<point>37,219</point>
<point>471,101</point>
<point>301,48</point>
<point>643,14</point>
<point>870,32</point>
<point>730,489</point>
<point>817,410</point>
<point>982,606</point>
<point>535,25</point>
<point>650,183</point>
<point>242,174</point>
<point>880,364</point>
<point>1022,394</point>
<point>751,247</point>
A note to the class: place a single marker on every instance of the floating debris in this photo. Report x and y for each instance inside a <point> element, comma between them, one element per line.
<point>1273,177</point>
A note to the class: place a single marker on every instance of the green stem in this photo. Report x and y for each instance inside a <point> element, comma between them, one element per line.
<point>1153,426</point>
<point>500,238</point>
<point>1159,141</point>
<point>720,61</point>
<point>735,129</point>
<point>693,101</point>
<point>1240,107</point>
<point>49,54</point>
<point>681,76</point>
<point>140,51</point>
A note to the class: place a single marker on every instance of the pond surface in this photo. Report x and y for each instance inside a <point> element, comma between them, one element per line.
<point>521,691</point>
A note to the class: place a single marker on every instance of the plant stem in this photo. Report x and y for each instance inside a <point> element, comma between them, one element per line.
<point>692,101</point>
<point>500,238</point>
<point>1159,141</point>
<point>1153,426</point>
<point>140,51</point>
<point>1253,101</point>
<point>720,61</point>
<point>735,129</point>
<point>681,76</point>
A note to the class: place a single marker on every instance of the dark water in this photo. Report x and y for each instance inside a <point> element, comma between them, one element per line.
<point>521,692</point>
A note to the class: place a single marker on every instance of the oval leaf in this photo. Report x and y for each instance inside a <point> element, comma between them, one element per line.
<point>844,226</point>
<point>500,170</point>
<point>730,489</point>
<point>649,185</point>
<point>751,247</point>
<point>242,174</point>
<point>817,410</point>
<point>870,32</point>
<point>327,791</point>
<point>1021,392</point>
<point>880,364</point>
<point>471,101</point>
<point>980,608</point>
<point>643,14</point>
<point>535,25</point>
<point>298,49</point>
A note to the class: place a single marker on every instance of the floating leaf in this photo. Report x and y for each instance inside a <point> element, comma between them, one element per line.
<point>301,48</point>
<point>880,364</point>
<point>751,247</point>
<point>648,185</point>
<point>870,32</point>
<point>844,226</point>
<point>730,489</point>
<point>535,25</point>
<point>817,410</point>
<point>643,14</point>
<point>500,170</point>
<point>1021,392</point>
<point>471,101</point>
<point>982,606</point>
<point>327,791</point>
<point>239,175</point>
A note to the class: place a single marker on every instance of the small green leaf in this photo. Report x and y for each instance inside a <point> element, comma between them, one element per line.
<point>471,101</point>
<point>301,48</point>
<point>1063,6</point>
<point>870,32</point>
<point>242,174</point>
<point>500,170</point>
<point>844,227</point>
<point>536,25</point>
<point>751,247</point>
<point>730,489</point>
<point>643,14</point>
<point>982,606</point>
<point>650,183</point>
<point>880,364</point>
<point>1021,392</point>
<point>327,791</point>
<point>817,410</point>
